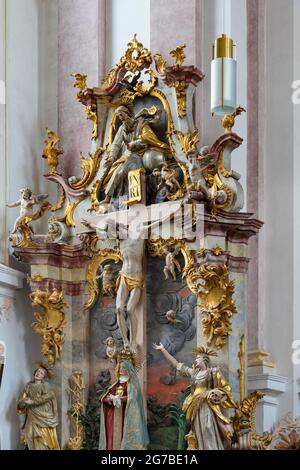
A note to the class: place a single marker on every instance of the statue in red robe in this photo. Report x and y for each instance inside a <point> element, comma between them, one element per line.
<point>122,417</point>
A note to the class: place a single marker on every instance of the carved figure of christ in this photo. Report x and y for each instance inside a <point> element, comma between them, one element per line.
<point>130,282</point>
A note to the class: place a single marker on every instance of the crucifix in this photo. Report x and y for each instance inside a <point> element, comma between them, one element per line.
<point>131,237</point>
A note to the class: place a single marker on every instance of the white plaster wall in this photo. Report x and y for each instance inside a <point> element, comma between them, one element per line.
<point>124,19</point>
<point>277,254</point>
<point>22,351</point>
<point>296,307</point>
<point>30,48</point>
<point>31,51</point>
<point>3,188</point>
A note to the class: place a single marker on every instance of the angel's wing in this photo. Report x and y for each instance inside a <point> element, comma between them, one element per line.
<point>207,160</point>
<point>177,264</point>
<point>41,197</point>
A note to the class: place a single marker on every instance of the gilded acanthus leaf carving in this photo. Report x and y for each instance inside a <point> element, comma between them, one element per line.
<point>141,88</point>
<point>179,56</point>
<point>187,141</point>
<point>80,83</point>
<point>90,166</point>
<point>245,427</point>
<point>68,217</point>
<point>217,250</point>
<point>181,88</point>
<point>216,303</point>
<point>51,324</point>
<point>228,120</point>
<point>160,64</point>
<point>51,152</point>
<point>136,57</point>
<point>91,112</point>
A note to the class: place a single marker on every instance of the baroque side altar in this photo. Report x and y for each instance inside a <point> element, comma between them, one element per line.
<point>140,284</point>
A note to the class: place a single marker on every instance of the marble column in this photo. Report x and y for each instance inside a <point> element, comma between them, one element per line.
<point>82,49</point>
<point>186,26</point>
<point>256,53</point>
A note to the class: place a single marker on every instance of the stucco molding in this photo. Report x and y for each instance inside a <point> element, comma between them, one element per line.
<point>10,278</point>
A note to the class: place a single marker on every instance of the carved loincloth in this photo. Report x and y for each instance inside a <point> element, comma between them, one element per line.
<point>130,282</point>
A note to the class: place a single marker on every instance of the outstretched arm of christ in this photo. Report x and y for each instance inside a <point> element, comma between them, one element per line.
<point>168,216</point>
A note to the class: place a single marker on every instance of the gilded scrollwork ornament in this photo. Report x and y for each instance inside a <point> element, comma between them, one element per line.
<point>244,420</point>
<point>181,89</point>
<point>188,141</point>
<point>136,57</point>
<point>61,200</point>
<point>97,260</point>
<point>179,56</point>
<point>90,166</point>
<point>91,112</point>
<point>216,303</point>
<point>244,424</point>
<point>68,216</point>
<point>241,371</point>
<point>215,250</point>
<point>51,151</point>
<point>50,325</point>
<point>228,120</point>
<point>80,83</point>
<point>130,91</point>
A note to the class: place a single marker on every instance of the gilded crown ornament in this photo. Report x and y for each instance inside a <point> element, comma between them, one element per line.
<point>204,350</point>
<point>126,355</point>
